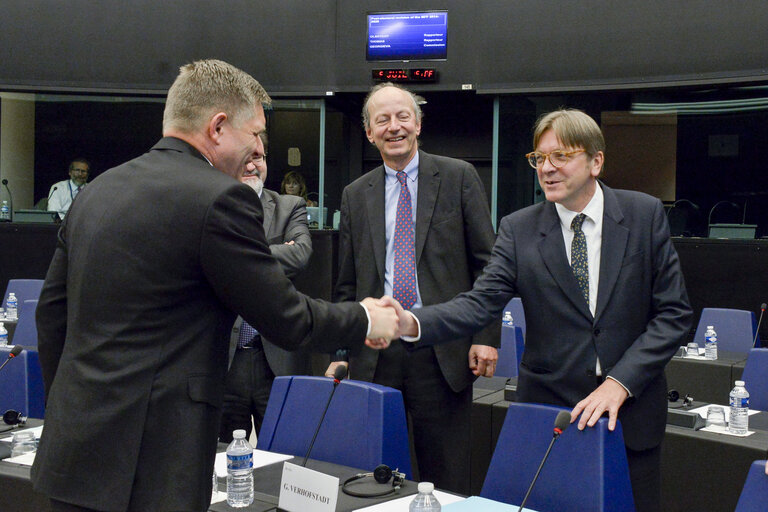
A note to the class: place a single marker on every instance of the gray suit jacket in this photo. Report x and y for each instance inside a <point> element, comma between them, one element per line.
<point>285,219</point>
<point>153,261</point>
<point>454,236</point>
<point>642,314</point>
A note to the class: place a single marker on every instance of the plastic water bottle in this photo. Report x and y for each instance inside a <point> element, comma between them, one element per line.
<point>425,501</point>
<point>13,307</point>
<point>710,343</point>
<point>239,471</point>
<point>3,335</point>
<point>5,212</point>
<point>738,421</point>
<point>507,320</point>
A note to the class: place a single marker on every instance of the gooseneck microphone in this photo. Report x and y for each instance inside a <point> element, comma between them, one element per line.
<point>50,194</point>
<point>562,421</point>
<point>338,375</point>
<point>16,350</point>
<point>757,331</point>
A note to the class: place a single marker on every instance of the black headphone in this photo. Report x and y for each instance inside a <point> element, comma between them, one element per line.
<point>14,419</point>
<point>382,474</point>
<point>673,396</point>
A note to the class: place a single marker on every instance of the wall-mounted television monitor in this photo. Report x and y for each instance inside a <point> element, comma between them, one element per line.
<point>408,36</point>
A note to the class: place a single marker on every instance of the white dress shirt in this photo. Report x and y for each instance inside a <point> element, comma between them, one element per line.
<point>61,195</point>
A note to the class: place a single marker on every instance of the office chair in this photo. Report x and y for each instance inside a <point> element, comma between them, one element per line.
<point>755,378</point>
<point>735,328</point>
<point>754,495</point>
<point>26,328</point>
<point>364,427</point>
<point>21,382</point>
<point>25,289</point>
<point>587,469</point>
<point>510,351</point>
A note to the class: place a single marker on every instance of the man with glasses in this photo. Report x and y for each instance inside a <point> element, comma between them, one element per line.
<point>605,301</point>
<point>64,192</point>
<point>255,361</point>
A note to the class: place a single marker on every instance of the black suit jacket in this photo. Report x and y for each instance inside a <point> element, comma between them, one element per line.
<point>152,262</point>
<point>454,236</point>
<point>642,314</point>
<point>285,220</point>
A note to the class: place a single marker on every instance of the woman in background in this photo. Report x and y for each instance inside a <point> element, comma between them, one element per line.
<point>294,184</point>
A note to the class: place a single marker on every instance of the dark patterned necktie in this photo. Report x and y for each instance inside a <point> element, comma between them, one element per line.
<point>404,275</point>
<point>579,255</point>
<point>247,333</point>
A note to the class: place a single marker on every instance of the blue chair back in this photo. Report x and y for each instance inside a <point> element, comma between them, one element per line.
<point>365,425</point>
<point>754,495</point>
<point>25,289</point>
<point>755,378</point>
<point>21,383</point>
<point>510,351</point>
<point>26,328</point>
<point>515,306</point>
<point>586,470</point>
<point>735,328</point>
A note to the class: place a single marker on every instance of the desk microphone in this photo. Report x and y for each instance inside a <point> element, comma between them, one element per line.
<point>561,423</point>
<point>757,331</point>
<point>338,374</point>
<point>16,350</point>
<point>50,194</point>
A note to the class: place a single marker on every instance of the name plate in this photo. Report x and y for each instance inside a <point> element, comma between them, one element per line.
<point>303,489</point>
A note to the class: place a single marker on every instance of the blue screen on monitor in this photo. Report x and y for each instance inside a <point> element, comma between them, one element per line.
<point>408,36</point>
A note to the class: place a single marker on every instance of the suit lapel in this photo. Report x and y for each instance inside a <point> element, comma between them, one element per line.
<point>429,184</point>
<point>552,250</point>
<point>614,243</point>
<point>374,200</point>
<point>268,205</point>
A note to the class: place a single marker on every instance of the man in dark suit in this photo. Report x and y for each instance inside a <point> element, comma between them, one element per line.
<point>603,292</point>
<point>255,361</point>
<point>445,243</point>
<point>153,261</point>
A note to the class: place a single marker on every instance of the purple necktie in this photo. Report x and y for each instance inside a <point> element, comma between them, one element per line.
<point>247,333</point>
<point>404,280</point>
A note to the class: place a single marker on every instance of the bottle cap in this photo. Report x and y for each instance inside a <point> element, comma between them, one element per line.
<point>426,487</point>
<point>740,383</point>
<point>238,434</point>
<point>710,327</point>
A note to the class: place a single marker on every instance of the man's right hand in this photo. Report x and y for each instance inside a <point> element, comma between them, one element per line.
<point>385,322</point>
<point>330,372</point>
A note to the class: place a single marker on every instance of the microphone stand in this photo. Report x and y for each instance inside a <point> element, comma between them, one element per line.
<point>536,477</point>
<point>337,376</point>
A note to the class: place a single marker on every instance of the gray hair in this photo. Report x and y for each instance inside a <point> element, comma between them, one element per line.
<point>415,99</point>
<point>205,87</point>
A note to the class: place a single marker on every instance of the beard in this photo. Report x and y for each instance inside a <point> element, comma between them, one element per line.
<point>255,183</point>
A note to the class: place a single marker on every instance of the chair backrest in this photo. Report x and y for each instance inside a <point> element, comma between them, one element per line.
<point>755,378</point>
<point>26,329</point>
<point>586,470</point>
<point>365,425</point>
<point>754,495</point>
<point>21,382</point>
<point>735,328</point>
<point>515,306</point>
<point>510,351</point>
<point>25,289</point>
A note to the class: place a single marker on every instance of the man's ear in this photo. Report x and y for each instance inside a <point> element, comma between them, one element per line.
<point>215,127</point>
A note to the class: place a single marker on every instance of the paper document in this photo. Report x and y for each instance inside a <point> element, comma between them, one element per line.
<point>261,458</point>
<point>702,411</point>
<point>25,460</point>
<point>476,503</point>
<point>402,504</point>
<point>36,430</point>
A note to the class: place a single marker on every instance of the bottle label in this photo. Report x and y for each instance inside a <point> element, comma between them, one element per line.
<point>739,402</point>
<point>238,462</point>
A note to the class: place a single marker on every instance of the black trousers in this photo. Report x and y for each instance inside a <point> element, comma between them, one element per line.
<point>645,476</point>
<point>440,419</point>
<point>246,393</point>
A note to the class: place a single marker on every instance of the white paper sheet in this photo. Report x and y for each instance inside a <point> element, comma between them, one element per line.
<point>261,458</point>
<point>36,430</point>
<point>402,504</point>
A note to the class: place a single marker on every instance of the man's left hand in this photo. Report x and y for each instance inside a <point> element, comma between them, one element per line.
<point>482,360</point>
<point>609,396</point>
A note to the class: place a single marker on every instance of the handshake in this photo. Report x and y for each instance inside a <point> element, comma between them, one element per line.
<point>389,321</point>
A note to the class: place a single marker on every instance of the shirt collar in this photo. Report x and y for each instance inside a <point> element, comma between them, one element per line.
<point>411,169</point>
<point>593,210</point>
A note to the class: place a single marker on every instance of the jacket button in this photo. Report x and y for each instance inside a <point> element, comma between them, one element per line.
<point>597,332</point>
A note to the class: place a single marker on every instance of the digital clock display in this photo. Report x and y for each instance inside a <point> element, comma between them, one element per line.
<point>405,75</point>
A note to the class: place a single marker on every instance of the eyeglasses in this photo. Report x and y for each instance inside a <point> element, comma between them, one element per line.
<point>557,158</point>
<point>259,159</point>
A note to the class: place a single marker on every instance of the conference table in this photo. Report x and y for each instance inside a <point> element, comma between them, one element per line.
<point>705,380</point>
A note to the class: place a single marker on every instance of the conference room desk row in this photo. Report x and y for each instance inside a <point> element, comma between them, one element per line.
<point>705,380</point>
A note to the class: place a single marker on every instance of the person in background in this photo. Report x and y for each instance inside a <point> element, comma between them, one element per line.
<point>603,291</point>
<point>255,361</point>
<point>62,194</point>
<point>153,263</point>
<point>418,227</point>
<point>294,184</point>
